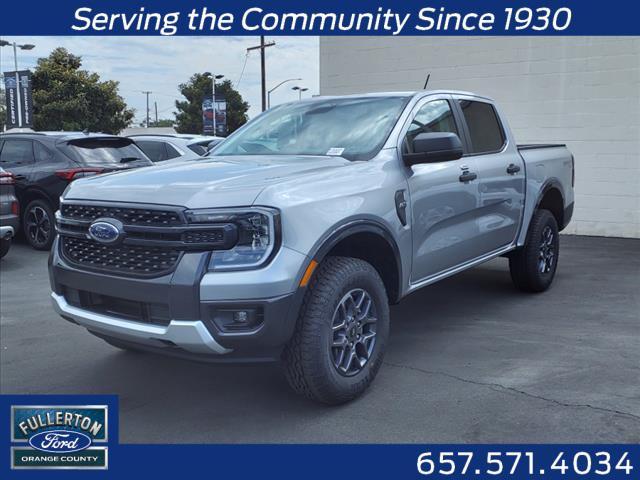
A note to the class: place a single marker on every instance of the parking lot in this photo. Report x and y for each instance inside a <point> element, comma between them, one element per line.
<point>470,360</point>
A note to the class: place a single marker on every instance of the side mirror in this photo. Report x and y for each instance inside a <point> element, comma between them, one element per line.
<point>434,147</point>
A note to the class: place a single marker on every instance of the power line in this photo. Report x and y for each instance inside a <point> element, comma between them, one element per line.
<point>246,57</point>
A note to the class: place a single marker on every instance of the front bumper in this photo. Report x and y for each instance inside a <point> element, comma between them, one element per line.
<point>187,299</point>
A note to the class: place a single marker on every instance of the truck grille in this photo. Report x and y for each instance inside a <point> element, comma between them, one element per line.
<point>128,216</point>
<point>122,259</point>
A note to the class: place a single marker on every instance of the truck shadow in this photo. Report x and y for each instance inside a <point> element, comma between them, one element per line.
<point>215,396</point>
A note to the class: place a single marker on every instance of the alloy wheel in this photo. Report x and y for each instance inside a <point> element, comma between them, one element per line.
<point>354,332</point>
<point>38,225</point>
<point>547,251</point>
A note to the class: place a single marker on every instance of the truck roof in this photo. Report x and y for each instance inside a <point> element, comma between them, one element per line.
<point>414,93</point>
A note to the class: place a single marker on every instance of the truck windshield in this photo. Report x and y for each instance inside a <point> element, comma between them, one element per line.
<point>354,128</point>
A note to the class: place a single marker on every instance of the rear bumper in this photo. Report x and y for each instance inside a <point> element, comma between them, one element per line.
<point>6,232</point>
<point>178,311</point>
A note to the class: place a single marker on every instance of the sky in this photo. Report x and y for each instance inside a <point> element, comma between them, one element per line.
<point>160,64</point>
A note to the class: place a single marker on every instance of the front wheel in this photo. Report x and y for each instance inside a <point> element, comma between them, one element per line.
<point>341,335</point>
<point>534,265</point>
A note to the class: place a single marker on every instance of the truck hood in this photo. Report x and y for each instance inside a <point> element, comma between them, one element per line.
<point>206,183</point>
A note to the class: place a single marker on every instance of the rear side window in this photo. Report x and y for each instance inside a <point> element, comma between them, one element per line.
<point>16,153</point>
<point>197,148</point>
<point>171,151</point>
<point>484,127</point>
<point>42,153</point>
<point>156,151</point>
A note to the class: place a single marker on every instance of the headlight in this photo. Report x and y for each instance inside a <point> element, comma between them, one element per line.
<point>258,231</point>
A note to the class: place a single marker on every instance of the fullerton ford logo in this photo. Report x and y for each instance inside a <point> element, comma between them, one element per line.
<point>60,441</point>
<point>59,436</point>
<point>108,230</point>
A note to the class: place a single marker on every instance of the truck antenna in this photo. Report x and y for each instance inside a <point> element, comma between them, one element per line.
<point>426,81</point>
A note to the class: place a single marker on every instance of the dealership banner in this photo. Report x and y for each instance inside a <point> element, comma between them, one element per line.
<point>220,126</point>
<point>331,17</point>
<point>18,99</point>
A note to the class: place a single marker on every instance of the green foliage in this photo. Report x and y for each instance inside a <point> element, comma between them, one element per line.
<point>189,115</point>
<point>162,122</point>
<point>68,98</point>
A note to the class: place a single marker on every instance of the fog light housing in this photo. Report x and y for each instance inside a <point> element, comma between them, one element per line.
<point>237,319</point>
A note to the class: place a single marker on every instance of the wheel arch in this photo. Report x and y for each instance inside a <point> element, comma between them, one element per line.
<point>368,240</point>
<point>32,194</point>
<point>551,197</point>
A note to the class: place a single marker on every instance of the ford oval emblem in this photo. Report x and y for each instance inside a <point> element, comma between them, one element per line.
<point>60,441</point>
<point>106,231</point>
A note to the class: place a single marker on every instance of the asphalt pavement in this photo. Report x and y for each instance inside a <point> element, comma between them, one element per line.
<point>470,360</point>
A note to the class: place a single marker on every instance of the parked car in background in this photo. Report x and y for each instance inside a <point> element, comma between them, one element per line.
<point>291,241</point>
<point>167,147</point>
<point>9,211</point>
<point>44,163</point>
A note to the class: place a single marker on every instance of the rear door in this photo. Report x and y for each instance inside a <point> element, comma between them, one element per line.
<point>17,157</point>
<point>442,204</point>
<point>501,177</point>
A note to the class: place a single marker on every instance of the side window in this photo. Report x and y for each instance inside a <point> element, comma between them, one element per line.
<point>16,153</point>
<point>484,126</point>
<point>171,151</point>
<point>154,150</point>
<point>42,153</point>
<point>435,116</point>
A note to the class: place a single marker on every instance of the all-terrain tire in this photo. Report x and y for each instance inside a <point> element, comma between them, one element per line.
<point>533,266</point>
<point>309,358</point>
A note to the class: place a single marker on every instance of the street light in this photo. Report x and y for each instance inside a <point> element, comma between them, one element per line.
<point>281,83</point>
<point>213,95</point>
<point>300,90</point>
<point>26,46</point>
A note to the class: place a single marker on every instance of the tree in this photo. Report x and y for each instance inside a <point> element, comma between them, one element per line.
<point>68,98</point>
<point>189,115</point>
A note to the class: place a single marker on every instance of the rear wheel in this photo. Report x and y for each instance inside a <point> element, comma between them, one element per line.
<point>38,223</point>
<point>534,265</point>
<point>341,334</point>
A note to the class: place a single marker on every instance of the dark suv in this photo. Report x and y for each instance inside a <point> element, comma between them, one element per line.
<point>43,164</point>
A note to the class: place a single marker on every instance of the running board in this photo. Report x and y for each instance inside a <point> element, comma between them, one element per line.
<point>447,273</point>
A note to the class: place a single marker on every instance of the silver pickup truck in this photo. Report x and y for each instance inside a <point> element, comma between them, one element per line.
<point>292,239</point>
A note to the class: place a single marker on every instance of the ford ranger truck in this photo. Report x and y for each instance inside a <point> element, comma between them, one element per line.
<point>293,238</point>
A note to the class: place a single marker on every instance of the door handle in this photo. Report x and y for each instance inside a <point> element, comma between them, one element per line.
<point>19,177</point>
<point>468,176</point>
<point>513,168</point>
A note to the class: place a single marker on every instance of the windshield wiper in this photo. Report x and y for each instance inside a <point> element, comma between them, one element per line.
<point>129,159</point>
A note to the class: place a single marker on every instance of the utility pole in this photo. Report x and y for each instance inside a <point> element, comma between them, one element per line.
<point>147,94</point>
<point>155,104</point>
<point>262,48</point>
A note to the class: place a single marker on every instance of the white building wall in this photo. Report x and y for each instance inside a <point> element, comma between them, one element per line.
<point>582,91</point>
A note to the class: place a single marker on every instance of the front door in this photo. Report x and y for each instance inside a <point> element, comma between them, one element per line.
<point>443,196</point>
